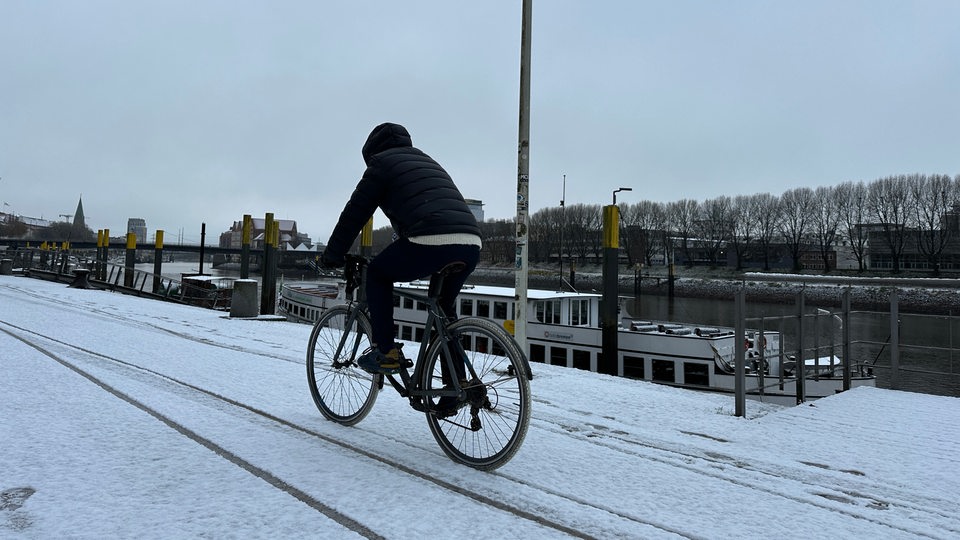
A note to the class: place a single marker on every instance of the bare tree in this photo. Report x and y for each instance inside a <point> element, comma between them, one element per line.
<point>680,217</point>
<point>583,226</point>
<point>714,226</point>
<point>645,224</point>
<point>499,241</point>
<point>888,200</point>
<point>768,224</point>
<point>933,197</point>
<point>825,220</point>
<point>744,217</point>
<point>544,233</point>
<point>796,206</point>
<point>854,218</point>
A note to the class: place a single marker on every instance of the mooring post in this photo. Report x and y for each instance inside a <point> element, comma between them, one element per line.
<point>245,247</point>
<point>608,310</point>
<point>98,259</point>
<point>268,296</point>
<point>366,238</point>
<point>131,259</point>
<point>64,257</point>
<point>101,265</point>
<point>157,261</point>
<point>203,240</point>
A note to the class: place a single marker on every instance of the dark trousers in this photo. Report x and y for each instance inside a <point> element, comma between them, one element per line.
<point>405,261</point>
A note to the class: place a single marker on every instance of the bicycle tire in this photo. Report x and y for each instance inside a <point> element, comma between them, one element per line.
<point>501,367</point>
<point>342,391</point>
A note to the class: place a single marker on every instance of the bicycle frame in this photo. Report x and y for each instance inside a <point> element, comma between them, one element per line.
<point>409,385</point>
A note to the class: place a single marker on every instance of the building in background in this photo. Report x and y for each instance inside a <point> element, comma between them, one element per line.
<point>290,238</point>
<point>476,206</point>
<point>138,226</point>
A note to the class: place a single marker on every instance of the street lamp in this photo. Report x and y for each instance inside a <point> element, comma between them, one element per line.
<point>619,190</point>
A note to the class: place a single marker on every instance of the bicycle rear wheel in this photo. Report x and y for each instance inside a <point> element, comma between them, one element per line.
<point>488,431</point>
<point>342,391</point>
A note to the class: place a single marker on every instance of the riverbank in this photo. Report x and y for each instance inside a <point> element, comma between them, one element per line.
<point>920,295</point>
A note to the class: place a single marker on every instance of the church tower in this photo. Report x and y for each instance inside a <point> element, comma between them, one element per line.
<point>78,221</point>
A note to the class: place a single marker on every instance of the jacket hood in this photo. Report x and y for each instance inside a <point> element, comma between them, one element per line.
<point>384,137</point>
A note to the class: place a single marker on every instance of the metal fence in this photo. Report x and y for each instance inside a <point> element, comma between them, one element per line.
<point>912,352</point>
<point>61,265</point>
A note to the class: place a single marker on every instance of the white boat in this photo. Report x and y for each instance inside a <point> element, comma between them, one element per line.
<point>564,329</point>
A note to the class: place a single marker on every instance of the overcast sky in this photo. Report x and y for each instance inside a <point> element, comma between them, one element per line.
<point>183,112</point>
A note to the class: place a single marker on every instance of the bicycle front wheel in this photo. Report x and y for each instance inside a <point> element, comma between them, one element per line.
<point>342,391</point>
<point>489,429</point>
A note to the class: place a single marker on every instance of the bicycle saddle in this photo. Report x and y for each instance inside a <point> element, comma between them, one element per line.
<point>452,268</point>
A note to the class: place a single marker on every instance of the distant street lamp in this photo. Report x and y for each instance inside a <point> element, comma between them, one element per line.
<point>619,190</point>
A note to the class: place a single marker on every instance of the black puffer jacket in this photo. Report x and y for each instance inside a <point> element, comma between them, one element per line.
<point>411,188</point>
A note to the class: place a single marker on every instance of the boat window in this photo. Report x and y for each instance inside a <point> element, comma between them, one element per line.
<point>580,311</point>
<point>694,373</point>
<point>466,343</point>
<point>418,334</point>
<point>407,303</point>
<point>483,308</point>
<point>548,311</point>
<point>396,300</point>
<point>500,310</point>
<point>406,333</point>
<point>633,367</point>
<point>664,371</point>
<point>581,359</point>
<point>558,356</point>
<point>498,349</point>
<point>421,306</point>
<point>537,353</point>
<point>466,306</point>
<point>482,345</point>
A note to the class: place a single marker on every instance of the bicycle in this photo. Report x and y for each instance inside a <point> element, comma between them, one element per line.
<point>492,387</point>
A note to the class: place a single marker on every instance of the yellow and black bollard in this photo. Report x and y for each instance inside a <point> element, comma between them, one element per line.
<point>268,294</point>
<point>366,239</point>
<point>245,247</point>
<point>131,260</point>
<point>608,308</point>
<point>157,262</point>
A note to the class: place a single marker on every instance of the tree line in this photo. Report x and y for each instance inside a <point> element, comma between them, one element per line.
<point>916,210</point>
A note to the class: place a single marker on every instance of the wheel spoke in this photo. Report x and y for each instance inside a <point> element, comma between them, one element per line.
<point>341,391</point>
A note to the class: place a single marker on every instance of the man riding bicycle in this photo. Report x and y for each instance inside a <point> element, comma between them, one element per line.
<point>432,224</point>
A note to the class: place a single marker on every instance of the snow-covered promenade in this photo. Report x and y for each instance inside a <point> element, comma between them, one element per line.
<point>124,417</point>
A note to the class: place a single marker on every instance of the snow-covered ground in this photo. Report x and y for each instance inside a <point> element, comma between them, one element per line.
<point>126,417</point>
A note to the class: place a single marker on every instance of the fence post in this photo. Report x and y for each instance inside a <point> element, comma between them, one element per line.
<point>740,353</point>
<point>846,339</point>
<point>894,340</point>
<point>800,363</point>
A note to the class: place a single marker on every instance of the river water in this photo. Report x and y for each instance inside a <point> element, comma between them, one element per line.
<point>929,358</point>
